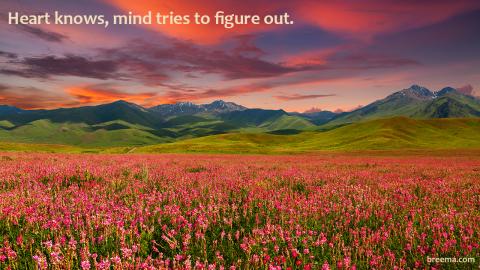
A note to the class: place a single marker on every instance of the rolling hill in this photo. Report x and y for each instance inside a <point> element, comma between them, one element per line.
<point>107,134</point>
<point>398,133</point>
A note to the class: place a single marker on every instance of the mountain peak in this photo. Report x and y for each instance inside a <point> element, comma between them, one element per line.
<point>415,92</point>
<point>186,103</point>
<point>419,90</point>
<point>416,86</point>
<point>446,90</point>
<point>223,106</point>
<point>124,103</point>
<point>218,101</point>
<point>120,102</point>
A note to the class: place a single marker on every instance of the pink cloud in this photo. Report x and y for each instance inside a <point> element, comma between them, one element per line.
<point>361,19</point>
<point>466,89</point>
<point>300,97</point>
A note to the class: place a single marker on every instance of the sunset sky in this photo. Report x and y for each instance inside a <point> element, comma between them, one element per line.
<point>336,56</point>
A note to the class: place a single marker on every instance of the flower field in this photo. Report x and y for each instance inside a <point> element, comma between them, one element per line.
<point>61,211</point>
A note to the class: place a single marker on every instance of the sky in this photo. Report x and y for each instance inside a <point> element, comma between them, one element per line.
<point>337,55</point>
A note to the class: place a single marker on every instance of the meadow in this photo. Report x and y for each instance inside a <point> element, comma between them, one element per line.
<point>203,211</point>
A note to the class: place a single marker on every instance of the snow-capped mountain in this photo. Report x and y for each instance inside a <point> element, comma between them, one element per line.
<point>188,108</point>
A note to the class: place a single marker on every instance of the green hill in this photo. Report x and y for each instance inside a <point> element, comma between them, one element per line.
<point>116,133</point>
<point>451,105</point>
<point>119,110</point>
<point>383,134</point>
<point>415,102</point>
<point>393,134</point>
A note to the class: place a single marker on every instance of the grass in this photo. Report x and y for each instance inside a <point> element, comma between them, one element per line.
<point>397,133</point>
<point>41,148</point>
<point>393,134</point>
<point>80,135</point>
<point>6,124</point>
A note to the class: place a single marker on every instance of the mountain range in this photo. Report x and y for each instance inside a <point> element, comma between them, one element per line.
<point>126,124</point>
<point>416,102</point>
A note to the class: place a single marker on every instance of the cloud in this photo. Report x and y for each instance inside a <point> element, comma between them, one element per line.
<point>372,61</point>
<point>8,55</point>
<point>159,62</point>
<point>246,46</point>
<point>96,94</point>
<point>156,65</point>
<point>188,93</point>
<point>68,65</point>
<point>305,74</point>
<point>152,63</point>
<point>30,97</point>
<point>36,98</point>
<point>313,110</point>
<point>203,34</point>
<point>191,94</point>
<point>466,89</point>
<point>359,19</point>
<point>153,60</point>
<point>301,97</point>
<point>34,31</point>
<point>348,110</point>
<point>15,72</point>
<point>364,19</point>
<point>42,34</point>
<point>346,58</point>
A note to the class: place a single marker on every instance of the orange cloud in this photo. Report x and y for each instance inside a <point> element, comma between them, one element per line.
<point>30,97</point>
<point>312,58</point>
<point>90,95</point>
